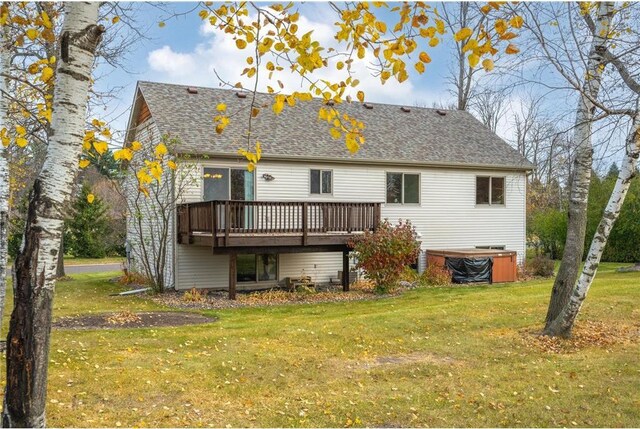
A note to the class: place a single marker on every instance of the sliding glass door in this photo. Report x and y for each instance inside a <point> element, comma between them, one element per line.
<point>257,268</point>
<point>238,184</point>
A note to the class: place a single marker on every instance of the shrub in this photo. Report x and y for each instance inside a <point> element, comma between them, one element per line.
<point>194,295</point>
<point>409,275</point>
<point>547,228</point>
<point>384,253</point>
<point>540,266</point>
<point>436,275</point>
<point>132,278</point>
<point>363,285</point>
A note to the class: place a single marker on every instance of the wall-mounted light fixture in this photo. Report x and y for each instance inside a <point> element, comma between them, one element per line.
<point>268,177</point>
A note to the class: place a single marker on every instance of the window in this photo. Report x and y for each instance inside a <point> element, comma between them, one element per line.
<point>228,184</point>
<point>490,190</point>
<point>321,181</point>
<point>492,247</point>
<point>257,268</point>
<point>403,188</point>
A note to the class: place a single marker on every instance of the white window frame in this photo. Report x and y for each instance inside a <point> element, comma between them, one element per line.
<point>504,197</point>
<point>403,173</point>
<point>202,173</point>
<point>321,170</point>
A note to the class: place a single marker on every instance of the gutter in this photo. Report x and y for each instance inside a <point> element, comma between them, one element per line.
<point>435,164</point>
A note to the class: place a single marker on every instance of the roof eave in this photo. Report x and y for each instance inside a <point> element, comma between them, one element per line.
<point>290,158</point>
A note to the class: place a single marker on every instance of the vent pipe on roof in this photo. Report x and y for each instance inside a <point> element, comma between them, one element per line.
<point>441,112</point>
<point>241,94</point>
<point>192,90</point>
<point>405,109</point>
<point>329,102</point>
<point>367,106</point>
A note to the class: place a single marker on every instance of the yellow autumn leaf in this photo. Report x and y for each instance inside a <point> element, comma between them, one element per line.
<point>32,34</point>
<point>221,107</point>
<point>381,26</point>
<point>419,67</point>
<point>278,105</point>
<point>46,22</point>
<point>126,154</point>
<point>21,142</point>
<point>335,133</point>
<point>508,36</point>
<point>434,42</point>
<point>100,147</point>
<point>516,21</point>
<point>172,165</point>
<point>500,26</point>
<point>424,57</point>
<point>512,49</point>
<point>161,150</point>
<point>487,63</point>
<point>440,26</point>
<point>47,73</point>
<point>115,19</point>
<point>351,143</point>
<point>84,163</point>
<point>360,95</point>
<point>21,130</point>
<point>91,198</point>
<point>473,60</point>
<point>136,145</point>
<point>463,33</point>
<point>241,44</point>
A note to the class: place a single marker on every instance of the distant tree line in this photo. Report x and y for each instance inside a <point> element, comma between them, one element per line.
<point>547,219</point>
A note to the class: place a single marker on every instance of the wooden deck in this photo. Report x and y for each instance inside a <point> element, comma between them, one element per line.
<point>233,227</point>
<point>292,226</point>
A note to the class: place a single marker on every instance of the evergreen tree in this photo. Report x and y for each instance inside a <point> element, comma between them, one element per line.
<point>87,226</point>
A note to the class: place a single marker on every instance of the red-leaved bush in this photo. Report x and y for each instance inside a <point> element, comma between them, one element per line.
<point>384,253</point>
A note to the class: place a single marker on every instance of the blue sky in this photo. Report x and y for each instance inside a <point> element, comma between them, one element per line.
<point>186,51</point>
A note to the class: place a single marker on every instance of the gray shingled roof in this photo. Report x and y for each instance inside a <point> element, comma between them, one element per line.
<point>421,136</point>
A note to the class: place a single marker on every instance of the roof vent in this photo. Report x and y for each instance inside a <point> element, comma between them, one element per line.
<point>192,90</point>
<point>329,102</point>
<point>405,109</point>
<point>241,94</point>
<point>368,106</point>
<point>441,112</point>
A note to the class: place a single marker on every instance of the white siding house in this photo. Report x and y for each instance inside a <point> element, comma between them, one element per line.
<point>464,191</point>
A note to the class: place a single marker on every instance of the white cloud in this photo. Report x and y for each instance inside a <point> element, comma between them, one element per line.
<point>217,54</point>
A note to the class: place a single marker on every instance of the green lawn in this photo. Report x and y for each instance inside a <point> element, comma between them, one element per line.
<point>455,357</point>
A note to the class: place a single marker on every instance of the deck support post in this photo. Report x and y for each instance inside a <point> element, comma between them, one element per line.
<point>345,270</point>
<point>233,269</point>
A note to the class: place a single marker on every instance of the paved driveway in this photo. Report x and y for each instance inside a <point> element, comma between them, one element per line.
<point>91,268</point>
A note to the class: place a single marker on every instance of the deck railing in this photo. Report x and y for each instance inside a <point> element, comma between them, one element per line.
<point>222,218</point>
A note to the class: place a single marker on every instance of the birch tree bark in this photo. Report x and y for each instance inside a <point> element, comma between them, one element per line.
<point>35,266</point>
<point>563,324</point>
<point>579,194</point>
<point>5,62</point>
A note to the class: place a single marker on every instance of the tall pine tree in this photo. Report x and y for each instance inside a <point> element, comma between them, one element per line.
<point>87,226</point>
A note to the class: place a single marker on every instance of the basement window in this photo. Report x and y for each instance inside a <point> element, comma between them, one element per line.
<point>321,181</point>
<point>490,190</point>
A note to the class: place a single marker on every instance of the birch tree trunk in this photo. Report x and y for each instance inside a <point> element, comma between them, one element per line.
<point>35,266</point>
<point>563,324</point>
<point>577,222</point>
<point>5,63</point>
